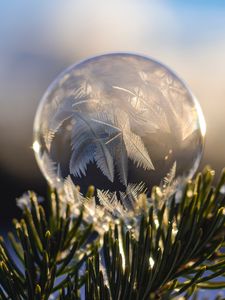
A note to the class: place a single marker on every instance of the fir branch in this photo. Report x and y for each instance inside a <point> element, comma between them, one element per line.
<point>193,247</point>
<point>50,249</point>
<point>167,251</point>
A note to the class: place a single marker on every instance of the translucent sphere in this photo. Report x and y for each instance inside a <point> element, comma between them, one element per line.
<point>115,120</point>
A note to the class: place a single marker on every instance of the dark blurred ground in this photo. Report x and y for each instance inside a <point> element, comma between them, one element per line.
<point>37,41</point>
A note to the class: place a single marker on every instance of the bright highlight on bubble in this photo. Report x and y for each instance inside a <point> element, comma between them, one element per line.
<point>117,121</point>
<point>36,147</point>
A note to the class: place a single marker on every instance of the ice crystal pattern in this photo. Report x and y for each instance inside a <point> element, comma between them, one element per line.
<point>120,118</point>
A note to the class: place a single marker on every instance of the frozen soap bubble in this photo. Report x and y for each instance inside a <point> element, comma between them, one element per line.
<point>116,120</point>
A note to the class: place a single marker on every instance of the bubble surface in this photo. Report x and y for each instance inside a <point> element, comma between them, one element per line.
<point>116,120</point>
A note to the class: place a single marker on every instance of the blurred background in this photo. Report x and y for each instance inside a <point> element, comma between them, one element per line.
<point>39,39</point>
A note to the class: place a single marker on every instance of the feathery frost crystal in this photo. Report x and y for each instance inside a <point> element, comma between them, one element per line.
<point>118,121</point>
